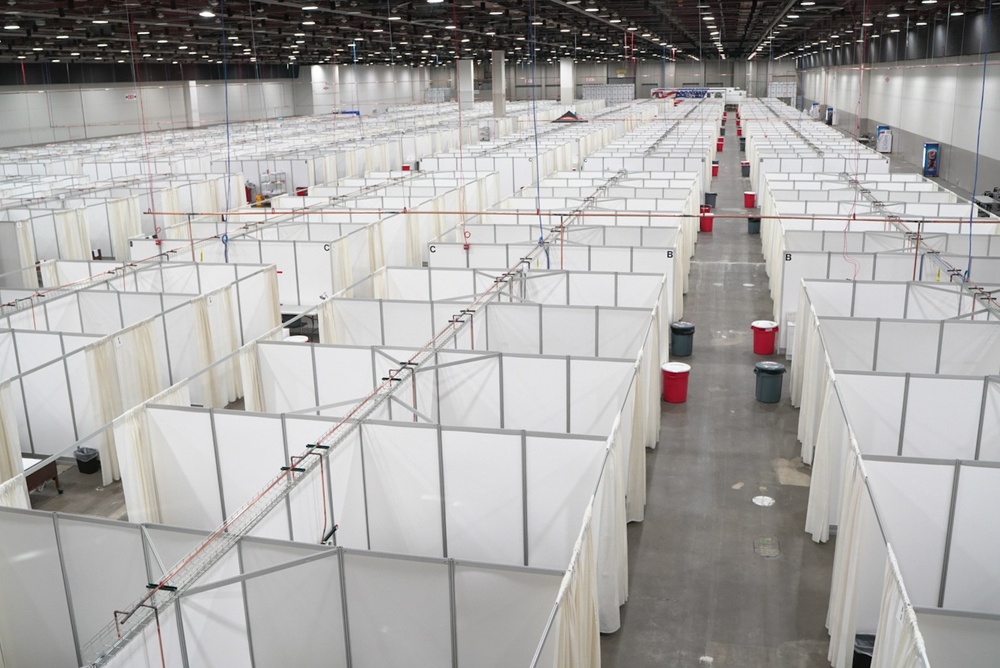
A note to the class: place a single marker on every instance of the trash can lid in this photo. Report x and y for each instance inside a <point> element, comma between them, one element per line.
<point>84,451</point>
<point>753,219</point>
<point>764,324</point>
<point>682,327</point>
<point>676,367</point>
<point>769,368</point>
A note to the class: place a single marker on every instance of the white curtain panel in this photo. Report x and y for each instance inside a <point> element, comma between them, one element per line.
<point>14,494</point>
<point>805,329</point>
<point>102,369</point>
<point>612,550</point>
<point>123,219</point>
<point>26,253</point>
<point>131,438</point>
<point>841,613</point>
<point>340,266</point>
<point>376,247</point>
<point>635,458</point>
<point>50,274</point>
<point>812,412</point>
<point>577,626</point>
<point>73,235</point>
<point>253,387</point>
<point>898,642</point>
<point>10,441</point>
<point>273,299</point>
<point>135,357</point>
<point>327,322</point>
<point>833,446</point>
<point>217,337</point>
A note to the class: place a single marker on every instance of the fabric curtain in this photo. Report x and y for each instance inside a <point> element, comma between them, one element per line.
<point>612,542</point>
<point>833,446</point>
<point>376,248</point>
<point>14,494</point>
<point>327,322</point>
<point>135,357</point>
<point>217,337</point>
<point>841,613</point>
<point>131,438</point>
<point>898,642</point>
<point>10,440</point>
<point>123,219</point>
<point>577,627</point>
<point>26,253</point>
<point>102,370</point>
<point>633,459</point>
<point>272,296</point>
<point>253,388</point>
<point>50,274</point>
<point>340,261</point>
<point>73,235</point>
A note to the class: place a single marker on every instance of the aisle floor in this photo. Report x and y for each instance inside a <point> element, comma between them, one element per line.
<point>711,574</point>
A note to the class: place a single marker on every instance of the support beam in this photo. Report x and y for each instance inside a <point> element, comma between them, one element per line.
<point>567,81</point>
<point>499,84</point>
<point>464,79</point>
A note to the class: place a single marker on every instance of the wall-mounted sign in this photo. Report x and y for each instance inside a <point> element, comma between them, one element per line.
<point>130,96</point>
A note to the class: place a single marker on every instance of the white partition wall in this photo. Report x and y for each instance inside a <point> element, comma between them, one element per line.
<point>437,610</point>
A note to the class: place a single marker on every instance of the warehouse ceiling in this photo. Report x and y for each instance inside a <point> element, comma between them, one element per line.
<point>437,31</point>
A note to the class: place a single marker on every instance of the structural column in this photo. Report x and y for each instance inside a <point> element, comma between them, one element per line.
<point>567,80</point>
<point>464,82</point>
<point>499,84</point>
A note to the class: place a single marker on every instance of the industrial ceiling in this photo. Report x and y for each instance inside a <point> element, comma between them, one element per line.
<point>437,31</point>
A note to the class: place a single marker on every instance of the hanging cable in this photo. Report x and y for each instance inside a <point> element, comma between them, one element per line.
<point>229,152</point>
<point>979,130</point>
<point>534,122</point>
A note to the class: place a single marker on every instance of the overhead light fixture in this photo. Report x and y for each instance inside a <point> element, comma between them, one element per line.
<point>892,15</point>
<point>894,30</point>
<point>99,21</point>
<point>928,2</point>
<point>792,16</point>
<point>708,18</point>
<point>808,3</point>
<point>957,12</point>
<point>592,9</point>
<point>921,23</point>
<point>615,21</point>
<point>434,2</point>
<point>867,24</point>
<point>308,22</point>
<point>62,36</point>
<point>309,8</point>
<point>395,18</point>
<point>207,13</point>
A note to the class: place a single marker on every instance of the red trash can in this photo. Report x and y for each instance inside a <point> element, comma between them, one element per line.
<point>715,168</point>
<point>719,143</point>
<point>739,132</point>
<point>749,199</point>
<point>707,221</point>
<point>675,382</point>
<point>764,334</point>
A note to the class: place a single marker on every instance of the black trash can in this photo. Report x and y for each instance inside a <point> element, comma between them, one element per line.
<point>743,144</point>
<point>681,338</point>
<point>745,168</point>
<point>722,130</point>
<point>87,460</point>
<point>710,199</point>
<point>753,225</point>
<point>864,650</point>
<point>769,381</point>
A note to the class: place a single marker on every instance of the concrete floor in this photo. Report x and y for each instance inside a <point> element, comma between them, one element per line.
<point>83,494</point>
<point>698,588</point>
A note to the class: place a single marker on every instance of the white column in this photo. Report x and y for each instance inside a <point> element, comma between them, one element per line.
<point>464,83</point>
<point>499,84</point>
<point>567,81</point>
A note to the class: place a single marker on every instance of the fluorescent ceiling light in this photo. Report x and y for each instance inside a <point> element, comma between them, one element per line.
<point>892,15</point>
<point>957,12</point>
<point>62,36</point>
<point>207,13</point>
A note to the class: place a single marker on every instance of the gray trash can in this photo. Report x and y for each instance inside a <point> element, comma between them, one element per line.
<point>745,169</point>
<point>87,460</point>
<point>722,130</point>
<point>681,338</point>
<point>710,199</point>
<point>769,381</point>
<point>743,144</point>
<point>753,225</point>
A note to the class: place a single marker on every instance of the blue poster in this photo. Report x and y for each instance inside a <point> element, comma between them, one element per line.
<point>932,158</point>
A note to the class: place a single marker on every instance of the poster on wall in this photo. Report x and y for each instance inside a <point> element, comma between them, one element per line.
<point>883,139</point>
<point>932,158</point>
